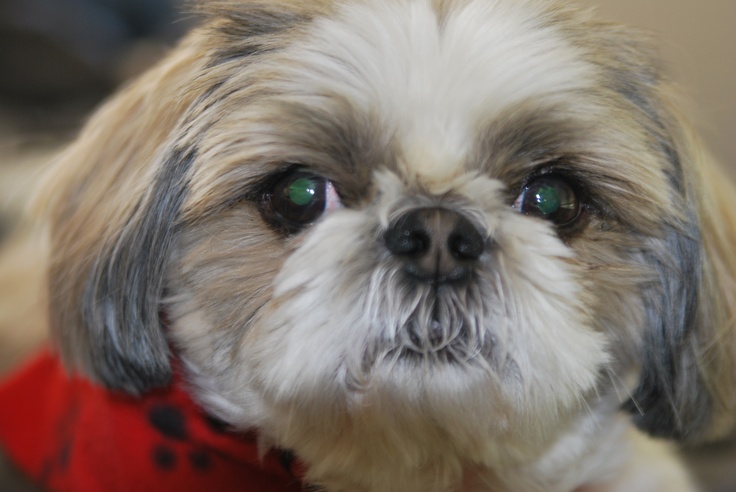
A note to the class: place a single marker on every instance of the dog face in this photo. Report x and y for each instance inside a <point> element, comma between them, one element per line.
<point>449,228</point>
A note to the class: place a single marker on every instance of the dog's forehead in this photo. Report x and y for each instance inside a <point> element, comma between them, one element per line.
<point>431,90</point>
<point>434,74</point>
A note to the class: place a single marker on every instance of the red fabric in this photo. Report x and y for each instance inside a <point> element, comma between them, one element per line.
<point>70,435</point>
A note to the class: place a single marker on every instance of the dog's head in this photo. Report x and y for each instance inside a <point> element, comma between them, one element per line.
<point>396,222</point>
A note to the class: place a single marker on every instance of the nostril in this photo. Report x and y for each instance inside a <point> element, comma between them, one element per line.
<point>407,243</point>
<point>408,238</point>
<point>465,242</point>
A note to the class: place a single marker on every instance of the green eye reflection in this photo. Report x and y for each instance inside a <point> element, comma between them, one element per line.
<point>547,200</point>
<point>550,198</point>
<point>302,191</point>
<point>298,198</point>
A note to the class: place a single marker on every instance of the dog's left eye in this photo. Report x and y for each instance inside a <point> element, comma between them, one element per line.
<point>300,198</point>
<point>551,198</point>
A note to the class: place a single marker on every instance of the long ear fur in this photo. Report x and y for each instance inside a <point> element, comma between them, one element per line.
<point>114,199</point>
<point>689,364</point>
<point>112,202</point>
<point>716,338</point>
<point>689,345</point>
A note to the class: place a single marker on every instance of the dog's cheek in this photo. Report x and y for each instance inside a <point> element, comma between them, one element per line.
<point>314,325</point>
<point>218,280</point>
<point>555,351</point>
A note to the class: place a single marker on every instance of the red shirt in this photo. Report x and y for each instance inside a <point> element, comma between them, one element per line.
<point>68,434</point>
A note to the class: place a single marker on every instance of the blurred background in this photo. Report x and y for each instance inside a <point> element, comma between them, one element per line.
<point>698,40</point>
<point>60,58</point>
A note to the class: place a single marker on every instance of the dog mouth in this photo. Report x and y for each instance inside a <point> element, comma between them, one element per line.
<point>430,324</point>
<point>441,343</point>
<point>441,329</point>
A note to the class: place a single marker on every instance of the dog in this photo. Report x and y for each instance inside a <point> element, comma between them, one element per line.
<point>423,245</point>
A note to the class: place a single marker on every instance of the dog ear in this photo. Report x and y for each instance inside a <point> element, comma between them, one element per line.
<point>114,201</point>
<point>688,358</point>
<point>688,367</point>
<point>715,342</point>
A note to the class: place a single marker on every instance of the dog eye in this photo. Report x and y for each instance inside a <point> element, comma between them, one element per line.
<point>551,198</point>
<point>300,198</point>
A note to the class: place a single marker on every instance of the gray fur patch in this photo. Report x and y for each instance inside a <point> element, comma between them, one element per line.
<point>124,290</point>
<point>670,400</point>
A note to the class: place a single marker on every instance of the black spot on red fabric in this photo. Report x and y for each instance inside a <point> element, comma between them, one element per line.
<point>200,460</point>
<point>286,458</point>
<point>164,458</point>
<point>216,425</point>
<point>169,421</point>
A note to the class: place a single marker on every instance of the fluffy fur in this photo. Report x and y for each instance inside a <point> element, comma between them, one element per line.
<point>519,378</point>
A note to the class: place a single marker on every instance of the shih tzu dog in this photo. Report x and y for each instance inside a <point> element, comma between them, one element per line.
<point>424,245</point>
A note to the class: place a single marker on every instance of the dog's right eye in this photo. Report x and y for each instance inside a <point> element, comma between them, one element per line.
<point>299,198</point>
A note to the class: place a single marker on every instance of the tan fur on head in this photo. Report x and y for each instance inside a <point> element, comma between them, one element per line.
<point>503,366</point>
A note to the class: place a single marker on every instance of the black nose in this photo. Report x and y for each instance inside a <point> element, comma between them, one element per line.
<point>436,244</point>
